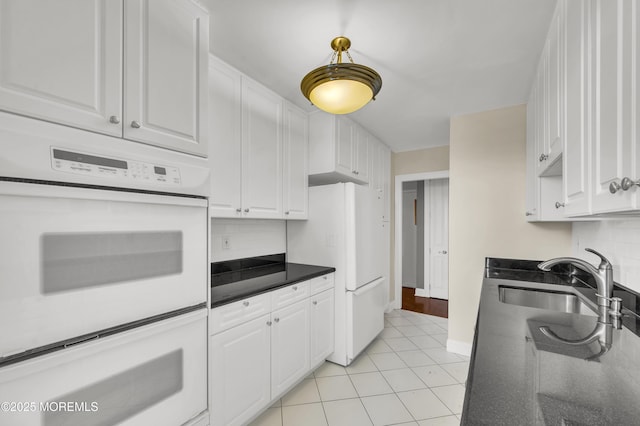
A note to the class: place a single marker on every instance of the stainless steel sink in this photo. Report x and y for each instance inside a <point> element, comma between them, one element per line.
<point>544,299</point>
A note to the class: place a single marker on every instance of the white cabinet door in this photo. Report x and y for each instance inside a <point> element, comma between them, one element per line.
<point>532,179</point>
<point>261,151</point>
<point>296,164</point>
<point>344,145</point>
<point>361,154</point>
<point>289,346</point>
<point>554,86</point>
<point>576,158</point>
<point>240,372</point>
<point>225,136</point>
<point>614,149</point>
<point>385,158</point>
<point>62,61</point>
<point>322,326</point>
<point>166,56</point>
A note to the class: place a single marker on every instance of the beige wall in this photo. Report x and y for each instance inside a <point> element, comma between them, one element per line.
<point>409,162</point>
<point>486,209</point>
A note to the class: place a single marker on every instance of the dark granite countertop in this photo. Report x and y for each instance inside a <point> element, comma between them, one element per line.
<point>232,281</point>
<point>518,376</point>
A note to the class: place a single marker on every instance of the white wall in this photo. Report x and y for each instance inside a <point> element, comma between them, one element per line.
<point>248,238</point>
<point>487,210</point>
<point>618,241</point>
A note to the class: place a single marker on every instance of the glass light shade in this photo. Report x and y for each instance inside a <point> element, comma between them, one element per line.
<point>341,96</point>
<point>341,88</point>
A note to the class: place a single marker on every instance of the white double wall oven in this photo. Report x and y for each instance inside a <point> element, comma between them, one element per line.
<point>103,279</point>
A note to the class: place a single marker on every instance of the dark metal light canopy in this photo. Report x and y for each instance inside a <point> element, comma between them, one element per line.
<point>341,88</point>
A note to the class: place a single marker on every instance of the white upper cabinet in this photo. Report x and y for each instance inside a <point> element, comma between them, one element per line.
<point>261,151</point>
<point>132,69</point>
<point>615,144</point>
<point>547,101</point>
<point>62,61</point>
<point>166,54</point>
<point>576,157</point>
<point>296,162</point>
<point>259,146</point>
<point>225,136</point>
<point>338,150</point>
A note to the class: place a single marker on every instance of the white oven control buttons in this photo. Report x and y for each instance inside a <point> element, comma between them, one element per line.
<point>114,168</point>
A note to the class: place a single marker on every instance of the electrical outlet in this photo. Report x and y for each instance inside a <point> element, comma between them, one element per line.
<point>226,242</point>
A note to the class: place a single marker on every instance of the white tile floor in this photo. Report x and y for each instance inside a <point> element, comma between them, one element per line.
<point>404,377</point>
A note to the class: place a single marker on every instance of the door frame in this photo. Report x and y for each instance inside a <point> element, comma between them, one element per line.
<point>397,261</point>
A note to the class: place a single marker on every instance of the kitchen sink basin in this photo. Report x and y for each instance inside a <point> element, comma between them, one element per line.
<point>544,299</point>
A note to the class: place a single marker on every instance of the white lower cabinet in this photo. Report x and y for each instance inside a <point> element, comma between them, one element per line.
<point>289,346</point>
<point>240,372</point>
<point>253,363</point>
<point>322,332</point>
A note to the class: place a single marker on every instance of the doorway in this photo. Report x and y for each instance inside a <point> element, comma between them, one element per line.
<point>421,242</point>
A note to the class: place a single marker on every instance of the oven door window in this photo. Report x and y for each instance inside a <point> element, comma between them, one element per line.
<point>77,260</point>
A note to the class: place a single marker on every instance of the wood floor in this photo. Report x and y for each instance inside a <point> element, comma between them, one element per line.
<point>424,305</point>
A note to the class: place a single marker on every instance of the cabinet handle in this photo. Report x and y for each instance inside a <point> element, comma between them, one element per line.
<point>559,204</point>
<point>245,303</point>
<point>238,210</point>
<point>286,212</point>
<point>614,187</point>
<point>135,124</point>
<point>114,119</point>
<point>528,214</point>
<point>276,319</point>
<point>295,288</point>
<point>357,172</point>
<point>442,252</point>
<point>543,157</point>
<point>315,302</point>
<point>325,277</point>
<point>246,210</point>
<point>269,323</point>
<point>354,172</point>
<point>627,183</point>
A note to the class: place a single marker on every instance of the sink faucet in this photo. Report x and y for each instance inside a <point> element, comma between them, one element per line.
<point>603,275</point>
<point>609,307</point>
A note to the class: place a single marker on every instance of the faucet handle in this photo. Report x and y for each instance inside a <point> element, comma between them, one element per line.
<point>604,262</point>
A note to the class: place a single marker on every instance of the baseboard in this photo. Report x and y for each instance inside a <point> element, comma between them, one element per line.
<point>421,292</point>
<point>390,307</point>
<point>462,348</point>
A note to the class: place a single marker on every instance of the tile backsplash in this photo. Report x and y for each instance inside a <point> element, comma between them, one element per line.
<point>239,238</point>
<point>618,240</point>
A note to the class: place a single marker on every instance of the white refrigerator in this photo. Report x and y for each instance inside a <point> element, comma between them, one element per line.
<point>345,230</point>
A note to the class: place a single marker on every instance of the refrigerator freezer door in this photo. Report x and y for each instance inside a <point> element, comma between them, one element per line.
<point>365,316</point>
<point>362,237</point>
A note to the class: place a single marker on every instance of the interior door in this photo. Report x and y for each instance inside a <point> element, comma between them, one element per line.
<point>439,238</point>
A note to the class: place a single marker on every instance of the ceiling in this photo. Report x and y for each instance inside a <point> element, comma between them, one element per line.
<point>437,58</point>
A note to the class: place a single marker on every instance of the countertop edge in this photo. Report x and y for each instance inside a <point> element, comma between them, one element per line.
<point>318,273</point>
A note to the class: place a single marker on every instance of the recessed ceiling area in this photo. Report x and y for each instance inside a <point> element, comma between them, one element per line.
<point>437,58</point>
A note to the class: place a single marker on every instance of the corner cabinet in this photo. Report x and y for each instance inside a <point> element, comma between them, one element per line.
<point>262,346</point>
<point>258,153</point>
<point>114,69</point>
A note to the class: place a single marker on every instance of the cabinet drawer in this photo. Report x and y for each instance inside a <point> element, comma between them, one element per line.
<point>227,316</point>
<point>290,294</point>
<point>320,284</point>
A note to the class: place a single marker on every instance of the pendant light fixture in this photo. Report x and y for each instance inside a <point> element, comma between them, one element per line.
<point>341,88</point>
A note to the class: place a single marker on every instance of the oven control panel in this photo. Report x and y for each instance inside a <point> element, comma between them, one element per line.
<point>114,168</point>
